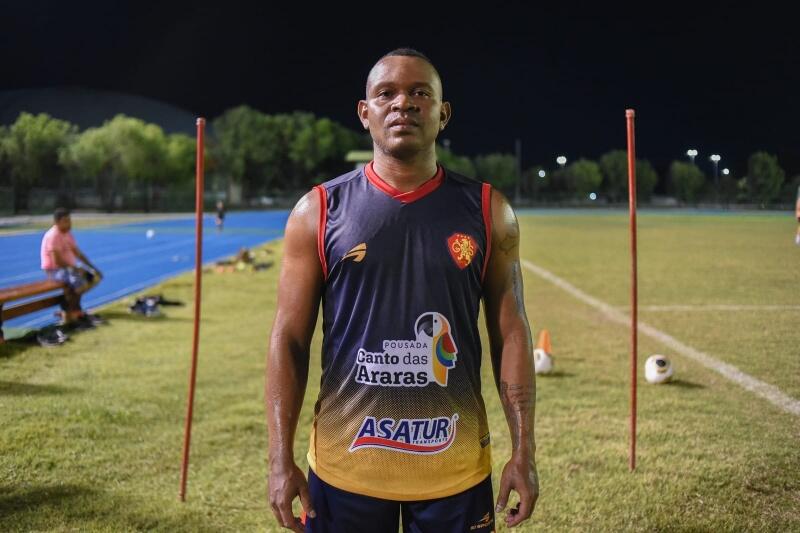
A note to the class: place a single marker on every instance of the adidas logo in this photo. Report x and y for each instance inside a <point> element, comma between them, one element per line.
<point>356,253</point>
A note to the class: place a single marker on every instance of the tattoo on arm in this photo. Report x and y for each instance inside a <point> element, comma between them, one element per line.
<point>518,401</point>
<point>519,292</point>
<point>510,241</point>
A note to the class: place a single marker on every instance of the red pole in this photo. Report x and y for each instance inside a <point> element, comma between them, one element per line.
<point>630,115</point>
<point>198,278</point>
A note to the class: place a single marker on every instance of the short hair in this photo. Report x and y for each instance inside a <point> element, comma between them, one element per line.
<point>59,213</point>
<point>407,52</point>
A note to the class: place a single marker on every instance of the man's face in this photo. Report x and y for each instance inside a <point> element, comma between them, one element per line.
<point>64,224</point>
<point>403,110</point>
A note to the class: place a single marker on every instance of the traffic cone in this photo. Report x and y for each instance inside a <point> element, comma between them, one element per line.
<point>544,341</point>
<point>542,355</point>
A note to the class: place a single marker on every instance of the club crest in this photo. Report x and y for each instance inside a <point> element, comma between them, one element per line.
<point>462,248</point>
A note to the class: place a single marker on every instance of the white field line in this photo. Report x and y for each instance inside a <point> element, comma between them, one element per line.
<point>769,392</point>
<point>715,307</point>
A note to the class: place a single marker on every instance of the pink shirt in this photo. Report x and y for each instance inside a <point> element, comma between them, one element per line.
<point>63,242</point>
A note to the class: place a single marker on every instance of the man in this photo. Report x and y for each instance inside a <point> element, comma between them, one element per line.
<point>59,255</point>
<point>220,219</point>
<point>400,254</point>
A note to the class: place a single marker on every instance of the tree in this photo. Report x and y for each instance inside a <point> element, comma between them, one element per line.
<point>318,148</point>
<point>180,152</point>
<point>764,177</point>
<point>280,152</point>
<point>583,177</point>
<point>535,186</point>
<point>498,169</point>
<point>687,180</point>
<point>646,179</point>
<point>92,157</point>
<point>288,167</point>
<point>123,151</point>
<point>31,149</point>
<point>141,153</point>
<point>460,164</point>
<point>614,167</point>
<point>5,178</point>
<point>248,147</point>
<point>790,190</point>
<point>728,189</point>
<point>6,196</point>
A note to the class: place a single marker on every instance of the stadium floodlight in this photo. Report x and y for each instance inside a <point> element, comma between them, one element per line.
<point>725,171</point>
<point>561,160</point>
<point>542,173</point>
<point>715,159</point>
<point>692,153</point>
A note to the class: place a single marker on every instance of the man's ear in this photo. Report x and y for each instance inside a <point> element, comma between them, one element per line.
<point>444,115</point>
<point>363,113</point>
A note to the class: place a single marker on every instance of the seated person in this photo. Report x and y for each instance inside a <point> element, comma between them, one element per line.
<point>59,260</point>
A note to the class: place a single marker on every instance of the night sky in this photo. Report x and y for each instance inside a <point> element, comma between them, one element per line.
<point>715,77</point>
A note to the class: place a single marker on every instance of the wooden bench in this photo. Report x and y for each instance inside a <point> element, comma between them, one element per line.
<point>10,294</point>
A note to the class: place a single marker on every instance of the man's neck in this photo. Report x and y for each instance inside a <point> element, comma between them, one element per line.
<point>405,175</point>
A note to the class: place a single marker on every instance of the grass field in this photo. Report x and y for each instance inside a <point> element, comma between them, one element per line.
<point>92,430</point>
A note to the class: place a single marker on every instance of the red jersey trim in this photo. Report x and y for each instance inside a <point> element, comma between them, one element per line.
<point>408,196</point>
<point>486,208</point>
<point>323,218</point>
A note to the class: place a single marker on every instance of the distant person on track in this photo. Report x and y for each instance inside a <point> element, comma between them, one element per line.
<point>220,220</point>
<point>60,255</point>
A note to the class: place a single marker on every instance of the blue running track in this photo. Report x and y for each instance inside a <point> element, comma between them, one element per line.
<point>129,260</point>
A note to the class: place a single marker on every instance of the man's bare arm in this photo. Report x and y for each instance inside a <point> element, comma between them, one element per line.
<point>299,292</point>
<point>511,349</point>
<point>85,260</point>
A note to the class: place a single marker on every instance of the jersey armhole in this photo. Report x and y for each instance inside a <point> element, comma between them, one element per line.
<point>486,209</point>
<point>323,217</point>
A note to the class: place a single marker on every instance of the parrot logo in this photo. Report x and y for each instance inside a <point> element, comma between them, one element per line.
<point>434,326</point>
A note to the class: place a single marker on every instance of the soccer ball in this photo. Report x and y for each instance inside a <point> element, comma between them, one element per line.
<point>658,369</point>
<point>542,362</point>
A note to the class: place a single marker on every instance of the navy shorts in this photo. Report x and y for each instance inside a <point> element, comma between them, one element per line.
<point>339,511</point>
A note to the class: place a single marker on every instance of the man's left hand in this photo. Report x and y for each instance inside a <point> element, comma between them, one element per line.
<point>520,475</point>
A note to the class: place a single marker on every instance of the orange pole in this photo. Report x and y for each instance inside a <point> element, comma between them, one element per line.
<point>198,279</point>
<point>630,115</point>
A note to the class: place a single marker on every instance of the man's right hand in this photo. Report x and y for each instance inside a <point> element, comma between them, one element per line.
<point>286,482</point>
<point>299,296</point>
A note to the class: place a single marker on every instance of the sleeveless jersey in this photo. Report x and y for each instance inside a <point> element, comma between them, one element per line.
<point>400,414</point>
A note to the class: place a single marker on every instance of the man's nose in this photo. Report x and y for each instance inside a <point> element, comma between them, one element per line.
<point>403,102</point>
